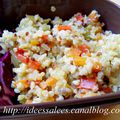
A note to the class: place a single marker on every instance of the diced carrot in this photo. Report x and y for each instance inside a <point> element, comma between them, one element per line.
<point>97,67</point>
<point>64,27</point>
<point>74,52</point>
<point>34,64</point>
<point>79,61</point>
<point>51,81</point>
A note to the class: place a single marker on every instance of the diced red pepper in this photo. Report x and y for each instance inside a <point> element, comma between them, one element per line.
<point>88,83</point>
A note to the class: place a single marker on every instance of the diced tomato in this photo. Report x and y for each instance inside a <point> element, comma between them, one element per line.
<point>22,58</point>
<point>64,27</point>
<point>88,83</point>
<point>79,17</point>
<point>84,48</point>
<point>34,64</point>
<point>106,89</point>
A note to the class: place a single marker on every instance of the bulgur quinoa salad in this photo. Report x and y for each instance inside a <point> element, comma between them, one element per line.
<point>56,60</point>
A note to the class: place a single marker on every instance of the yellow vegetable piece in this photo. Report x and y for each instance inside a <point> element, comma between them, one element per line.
<point>24,82</point>
<point>89,54</point>
<point>79,61</point>
<point>50,99</point>
<point>51,81</point>
<point>34,42</point>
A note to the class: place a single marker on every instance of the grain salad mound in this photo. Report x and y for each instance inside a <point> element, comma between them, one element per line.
<point>74,58</point>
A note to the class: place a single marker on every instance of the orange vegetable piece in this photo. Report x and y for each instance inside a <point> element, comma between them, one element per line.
<point>25,82</point>
<point>51,81</point>
<point>79,61</point>
<point>45,38</point>
<point>97,67</point>
<point>84,48</point>
<point>64,27</point>
<point>34,64</point>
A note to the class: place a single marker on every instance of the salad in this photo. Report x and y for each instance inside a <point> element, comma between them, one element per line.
<point>57,59</point>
